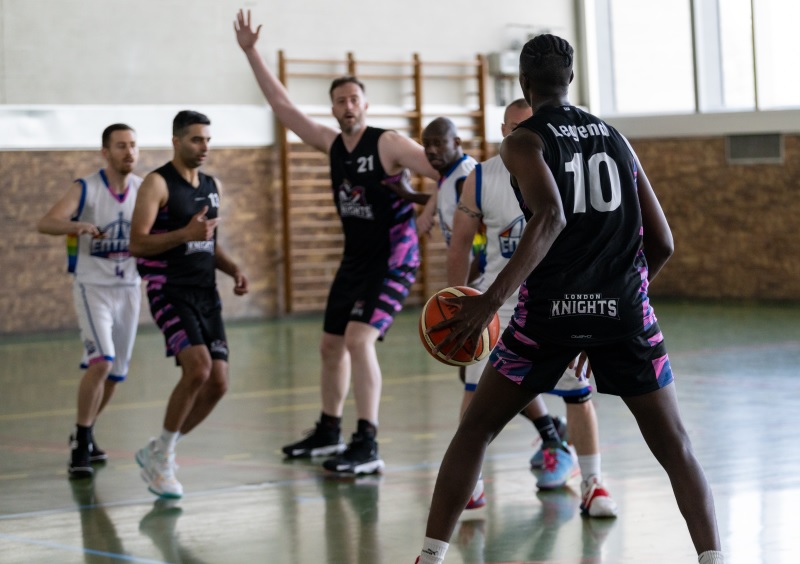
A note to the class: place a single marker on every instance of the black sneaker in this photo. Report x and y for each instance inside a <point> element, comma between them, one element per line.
<point>79,463</point>
<point>96,454</point>
<point>322,441</point>
<point>360,457</point>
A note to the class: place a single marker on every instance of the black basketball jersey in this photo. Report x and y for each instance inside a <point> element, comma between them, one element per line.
<point>192,263</point>
<point>375,220</point>
<point>591,286</point>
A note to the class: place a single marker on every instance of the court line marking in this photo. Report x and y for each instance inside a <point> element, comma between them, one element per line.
<point>69,548</point>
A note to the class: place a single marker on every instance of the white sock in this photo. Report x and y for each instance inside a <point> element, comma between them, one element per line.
<point>433,551</point>
<point>590,465</point>
<point>167,440</point>
<point>711,557</point>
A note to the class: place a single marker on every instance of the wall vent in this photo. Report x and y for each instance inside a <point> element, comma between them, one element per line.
<point>762,148</point>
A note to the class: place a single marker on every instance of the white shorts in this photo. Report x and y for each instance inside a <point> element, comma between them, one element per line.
<point>569,386</point>
<point>108,317</point>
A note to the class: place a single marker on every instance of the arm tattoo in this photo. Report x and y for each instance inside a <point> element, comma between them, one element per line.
<point>472,213</point>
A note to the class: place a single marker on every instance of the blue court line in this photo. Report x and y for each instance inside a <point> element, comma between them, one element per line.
<point>58,546</point>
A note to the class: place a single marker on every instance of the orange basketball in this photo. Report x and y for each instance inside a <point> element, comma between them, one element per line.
<point>436,311</point>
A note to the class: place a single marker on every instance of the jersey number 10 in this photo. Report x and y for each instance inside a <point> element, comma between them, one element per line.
<point>596,199</point>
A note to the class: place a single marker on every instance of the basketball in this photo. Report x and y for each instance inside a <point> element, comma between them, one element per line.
<point>436,311</point>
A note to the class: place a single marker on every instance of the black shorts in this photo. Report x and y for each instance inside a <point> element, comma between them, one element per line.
<point>373,299</point>
<point>630,367</point>
<point>189,316</point>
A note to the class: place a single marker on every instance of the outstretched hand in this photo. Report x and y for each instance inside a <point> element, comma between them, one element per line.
<point>473,316</point>
<point>244,32</point>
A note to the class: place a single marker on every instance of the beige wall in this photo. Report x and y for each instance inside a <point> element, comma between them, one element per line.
<point>735,227</point>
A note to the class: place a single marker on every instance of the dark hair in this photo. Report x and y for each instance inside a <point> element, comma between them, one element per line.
<point>337,82</point>
<point>546,61</point>
<point>111,129</point>
<point>186,118</point>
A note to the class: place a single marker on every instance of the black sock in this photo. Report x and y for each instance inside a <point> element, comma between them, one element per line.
<point>83,435</point>
<point>547,429</point>
<point>366,429</point>
<point>330,422</point>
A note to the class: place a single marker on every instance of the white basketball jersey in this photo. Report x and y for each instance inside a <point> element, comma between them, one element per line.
<point>502,216</point>
<point>447,197</point>
<point>105,260</point>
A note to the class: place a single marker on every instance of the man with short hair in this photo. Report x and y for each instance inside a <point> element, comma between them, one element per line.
<point>381,256</point>
<point>595,237</point>
<point>174,236</point>
<point>95,214</point>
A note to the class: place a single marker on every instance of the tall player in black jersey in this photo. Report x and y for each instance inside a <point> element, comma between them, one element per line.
<point>174,234</point>
<point>381,256</point>
<point>596,236</point>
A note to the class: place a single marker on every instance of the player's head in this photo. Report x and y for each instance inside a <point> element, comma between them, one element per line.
<point>119,147</point>
<point>545,67</point>
<point>191,134</point>
<point>516,112</point>
<point>442,144</point>
<point>349,103</point>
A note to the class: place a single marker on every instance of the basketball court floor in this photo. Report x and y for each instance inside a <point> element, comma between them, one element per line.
<point>738,383</point>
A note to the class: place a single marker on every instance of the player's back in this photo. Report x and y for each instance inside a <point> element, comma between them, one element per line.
<point>594,270</point>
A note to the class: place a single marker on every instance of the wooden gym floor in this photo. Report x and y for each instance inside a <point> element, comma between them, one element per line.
<point>737,378</point>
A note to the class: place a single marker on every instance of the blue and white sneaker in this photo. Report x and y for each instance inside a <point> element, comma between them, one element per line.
<point>560,464</point>
<point>537,460</point>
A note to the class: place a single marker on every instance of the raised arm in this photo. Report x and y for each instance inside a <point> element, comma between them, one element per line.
<point>58,221</point>
<point>153,196</point>
<point>310,131</point>
<point>466,222</point>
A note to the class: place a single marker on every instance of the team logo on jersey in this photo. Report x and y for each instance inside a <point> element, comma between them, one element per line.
<point>193,247</point>
<point>585,304</point>
<point>112,243</point>
<point>510,236</point>
<point>353,201</point>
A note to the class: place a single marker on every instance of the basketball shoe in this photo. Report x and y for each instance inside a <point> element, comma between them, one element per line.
<point>158,471</point>
<point>596,501</point>
<point>321,441</point>
<point>360,457</point>
<point>560,464</point>
<point>478,497</point>
<point>537,460</point>
<point>96,454</point>
<point>80,465</point>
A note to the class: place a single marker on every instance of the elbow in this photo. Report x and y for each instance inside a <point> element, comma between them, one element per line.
<point>135,248</point>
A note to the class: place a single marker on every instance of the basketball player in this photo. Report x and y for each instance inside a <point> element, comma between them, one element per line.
<point>174,234</point>
<point>381,256</point>
<point>95,214</point>
<point>581,260</point>
<point>488,201</point>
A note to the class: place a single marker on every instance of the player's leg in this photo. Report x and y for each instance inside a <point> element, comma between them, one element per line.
<point>127,304</point>
<point>660,422</point>
<point>496,401</point>
<point>361,455</point>
<point>95,320</point>
<point>638,370</point>
<point>208,396</point>
<point>326,437</point>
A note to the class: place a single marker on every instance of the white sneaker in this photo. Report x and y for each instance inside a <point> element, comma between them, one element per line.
<point>595,499</point>
<point>158,471</point>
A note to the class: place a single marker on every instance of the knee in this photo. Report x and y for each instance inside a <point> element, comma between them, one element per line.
<point>198,374</point>
<point>98,371</point>
<point>331,348</point>
<point>217,385</point>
